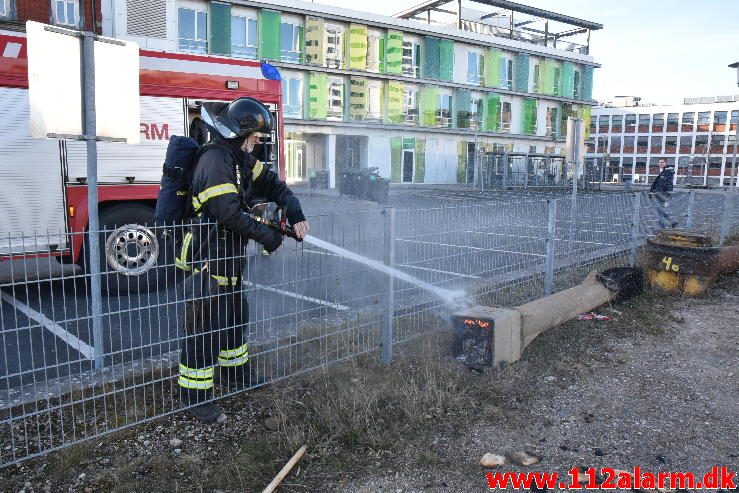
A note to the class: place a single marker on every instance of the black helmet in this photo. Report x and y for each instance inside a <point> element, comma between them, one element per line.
<point>239,118</point>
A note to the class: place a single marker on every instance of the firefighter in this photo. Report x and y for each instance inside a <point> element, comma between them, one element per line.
<point>227,174</point>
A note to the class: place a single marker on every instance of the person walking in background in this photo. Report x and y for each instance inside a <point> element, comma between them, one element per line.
<point>660,192</point>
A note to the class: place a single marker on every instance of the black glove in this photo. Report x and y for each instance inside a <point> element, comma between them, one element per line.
<point>271,240</point>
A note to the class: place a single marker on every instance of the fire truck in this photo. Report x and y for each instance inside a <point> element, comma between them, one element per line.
<point>43,182</point>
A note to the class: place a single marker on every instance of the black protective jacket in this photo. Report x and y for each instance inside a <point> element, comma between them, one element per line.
<point>663,182</point>
<point>224,180</point>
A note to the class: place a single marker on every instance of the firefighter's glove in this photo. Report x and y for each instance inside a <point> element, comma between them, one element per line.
<point>272,240</point>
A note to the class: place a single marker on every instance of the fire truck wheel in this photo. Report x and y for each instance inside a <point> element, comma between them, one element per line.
<point>132,258</point>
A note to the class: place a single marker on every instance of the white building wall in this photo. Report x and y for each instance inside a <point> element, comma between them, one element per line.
<point>379,154</point>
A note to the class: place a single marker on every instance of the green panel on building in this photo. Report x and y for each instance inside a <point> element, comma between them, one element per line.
<point>521,82</point>
<point>314,36</point>
<point>318,96</point>
<point>568,80</point>
<point>429,105</point>
<point>269,35</point>
<point>394,52</point>
<point>585,117</point>
<point>547,76</point>
<point>396,155</point>
<point>357,98</point>
<point>587,83</point>
<point>394,113</point>
<point>357,47</point>
<point>492,113</point>
<point>462,100</point>
<point>462,162</point>
<point>529,116</point>
<point>419,173</point>
<point>446,59</point>
<point>220,28</point>
<point>492,68</point>
<point>431,57</point>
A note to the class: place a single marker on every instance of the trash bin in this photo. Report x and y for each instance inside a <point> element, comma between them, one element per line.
<point>346,187</point>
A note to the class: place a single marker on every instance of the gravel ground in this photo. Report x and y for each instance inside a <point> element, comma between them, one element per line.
<point>655,387</point>
<point>664,396</point>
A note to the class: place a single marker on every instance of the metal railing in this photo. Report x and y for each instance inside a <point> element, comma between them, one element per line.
<point>308,307</point>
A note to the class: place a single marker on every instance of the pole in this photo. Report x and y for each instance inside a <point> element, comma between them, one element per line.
<point>635,229</point>
<point>551,232</point>
<point>691,204</point>
<point>575,169</point>
<point>88,64</point>
<point>733,160</point>
<point>387,329</point>
<point>726,215</point>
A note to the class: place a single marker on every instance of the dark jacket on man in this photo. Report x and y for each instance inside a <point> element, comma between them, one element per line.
<point>663,183</point>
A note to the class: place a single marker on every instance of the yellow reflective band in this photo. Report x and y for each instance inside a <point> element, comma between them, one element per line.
<point>195,384</point>
<point>196,373</point>
<point>233,362</point>
<point>226,281</point>
<point>234,353</point>
<point>258,168</point>
<point>209,193</point>
<point>181,262</point>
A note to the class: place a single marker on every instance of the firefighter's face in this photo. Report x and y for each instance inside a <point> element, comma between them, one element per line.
<point>250,142</point>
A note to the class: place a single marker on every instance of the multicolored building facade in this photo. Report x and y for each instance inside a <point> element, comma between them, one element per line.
<point>417,100</point>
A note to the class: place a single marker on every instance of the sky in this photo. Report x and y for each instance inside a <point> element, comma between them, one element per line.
<point>660,50</point>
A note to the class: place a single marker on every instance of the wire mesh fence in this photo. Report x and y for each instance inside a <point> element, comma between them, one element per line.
<point>307,306</point>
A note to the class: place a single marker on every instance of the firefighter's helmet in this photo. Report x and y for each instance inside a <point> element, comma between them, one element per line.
<point>239,118</point>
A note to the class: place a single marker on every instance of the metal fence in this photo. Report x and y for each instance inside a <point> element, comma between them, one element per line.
<point>308,306</point>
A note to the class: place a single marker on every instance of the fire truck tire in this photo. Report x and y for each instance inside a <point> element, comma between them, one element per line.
<point>132,258</point>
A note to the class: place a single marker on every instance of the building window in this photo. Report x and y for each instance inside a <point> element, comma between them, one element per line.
<point>475,67</point>
<point>537,78</point>
<point>506,73</point>
<point>672,121</point>
<point>615,145</point>
<point>704,120</point>
<point>644,123</point>
<point>444,113</point>
<point>670,144</point>
<point>656,145</point>
<point>642,143</point>
<point>686,144</point>
<point>292,96</point>
<point>374,51</point>
<point>734,119</point>
<point>411,59</point>
<point>552,122</point>
<point>688,120</point>
<point>701,144</point>
<point>603,124</point>
<point>717,144</point>
<point>628,145</point>
<point>658,122</point>
<point>630,123</point>
<point>476,112</point>
<point>334,46</point>
<point>576,85</point>
<point>335,99</point>
<point>557,81</point>
<point>374,101</point>
<point>719,120</point>
<point>7,9</point>
<point>410,104</point>
<point>291,42</point>
<point>65,12</point>
<point>193,30</point>
<point>616,123</point>
<point>243,37</point>
<point>505,117</point>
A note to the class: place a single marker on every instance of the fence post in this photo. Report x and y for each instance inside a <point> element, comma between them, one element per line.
<point>726,215</point>
<point>551,232</point>
<point>635,229</point>
<point>389,259</point>
<point>691,203</point>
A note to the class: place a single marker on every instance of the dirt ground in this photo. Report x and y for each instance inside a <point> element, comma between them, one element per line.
<point>657,387</point>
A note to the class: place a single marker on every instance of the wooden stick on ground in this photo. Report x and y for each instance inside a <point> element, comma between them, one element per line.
<point>285,470</point>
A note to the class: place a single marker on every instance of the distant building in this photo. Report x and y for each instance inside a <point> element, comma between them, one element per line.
<point>698,137</point>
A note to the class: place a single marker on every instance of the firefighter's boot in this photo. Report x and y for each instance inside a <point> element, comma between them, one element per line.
<point>200,405</point>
